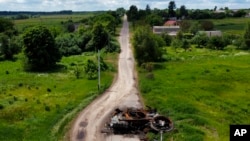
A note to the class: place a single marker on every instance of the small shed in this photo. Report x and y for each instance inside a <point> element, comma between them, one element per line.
<point>212,33</point>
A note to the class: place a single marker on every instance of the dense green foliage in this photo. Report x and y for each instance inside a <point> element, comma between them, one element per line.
<point>9,43</point>
<point>6,25</point>
<point>69,44</point>
<point>9,46</point>
<point>147,45</point>
<point>40,49</point>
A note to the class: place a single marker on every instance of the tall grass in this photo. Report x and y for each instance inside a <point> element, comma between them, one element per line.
<point>202,91</point>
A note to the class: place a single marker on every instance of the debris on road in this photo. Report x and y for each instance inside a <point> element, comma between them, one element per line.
<point>138,122</point>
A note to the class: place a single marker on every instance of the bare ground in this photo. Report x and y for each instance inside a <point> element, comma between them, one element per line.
<point>123,93</point>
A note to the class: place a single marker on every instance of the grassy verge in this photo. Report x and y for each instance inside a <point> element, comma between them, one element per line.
<point>202,91</point>
<point>37,106</point>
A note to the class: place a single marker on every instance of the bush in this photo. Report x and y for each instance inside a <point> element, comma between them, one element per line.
<point>47,108</point>
<point>91,69</point>
<point>200,39</point>
<point>216,42</point>
<point>68,44</point>
<point>1,107</point>
<point>167,38</point>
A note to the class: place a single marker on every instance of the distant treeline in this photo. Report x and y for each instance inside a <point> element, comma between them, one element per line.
<point>10,13</point>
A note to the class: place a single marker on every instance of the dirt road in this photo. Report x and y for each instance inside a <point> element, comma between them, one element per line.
<point>122,93</point>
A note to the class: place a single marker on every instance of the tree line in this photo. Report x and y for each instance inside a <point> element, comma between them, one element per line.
<point>183,13</point>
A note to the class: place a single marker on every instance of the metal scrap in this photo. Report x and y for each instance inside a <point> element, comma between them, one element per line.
<point>137,121</point>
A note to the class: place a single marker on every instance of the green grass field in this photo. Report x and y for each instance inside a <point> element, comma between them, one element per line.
<point>203,92</point>
<point>38,106</point>
<point>49,21</point>
<point>231,25</point>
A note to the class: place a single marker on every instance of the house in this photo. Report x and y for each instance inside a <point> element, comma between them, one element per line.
<point>170,30</point>
<point>171,23</point>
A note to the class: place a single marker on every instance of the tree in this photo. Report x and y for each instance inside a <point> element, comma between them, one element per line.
<point>215,8</point>
<point>132,13</point>
<point>148,10</point>
<point>6,24</point>
<point>7,27</point>
<point>247,35</point>
<point>120,11</point>
<point>40,49</point>
<point>171,8</point>
<point>108,21</point>
<point>147,45</point>
<point>9,46</point>
<point>201,39</point>
<point>100,36</point>
<point>183,11</point>
<point>185,44</point>
<point>154,20</point>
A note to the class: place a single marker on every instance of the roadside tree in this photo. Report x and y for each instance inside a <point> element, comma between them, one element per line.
<point>100,37</point>
<point>147,45</point>
<point>132,13</point>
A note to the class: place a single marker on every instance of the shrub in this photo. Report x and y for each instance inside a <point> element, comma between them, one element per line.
<point>48,90</point>
<point>47,108</point>
<point>1,107</point>
<point>216,42</point>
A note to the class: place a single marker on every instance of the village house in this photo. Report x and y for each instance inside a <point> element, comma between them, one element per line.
<point>171,27</point>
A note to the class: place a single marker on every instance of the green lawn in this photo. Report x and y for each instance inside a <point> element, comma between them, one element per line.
<point>202,91</point>
<point>37,106</point>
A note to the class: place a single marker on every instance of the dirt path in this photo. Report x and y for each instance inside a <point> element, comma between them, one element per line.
<point>122,93</point>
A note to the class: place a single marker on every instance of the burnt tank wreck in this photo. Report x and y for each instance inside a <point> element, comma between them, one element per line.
<point>131,121</point>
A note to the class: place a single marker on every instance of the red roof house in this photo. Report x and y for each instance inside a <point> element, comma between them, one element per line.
<point>171,23</point>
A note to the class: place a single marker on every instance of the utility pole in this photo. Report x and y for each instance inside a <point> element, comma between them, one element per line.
<point>161,135</point>
<point>99,71</point>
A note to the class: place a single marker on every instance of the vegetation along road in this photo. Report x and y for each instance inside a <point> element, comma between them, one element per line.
<point>122,93</point>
